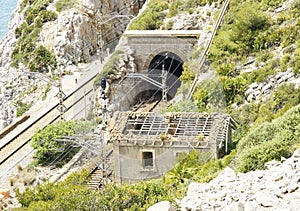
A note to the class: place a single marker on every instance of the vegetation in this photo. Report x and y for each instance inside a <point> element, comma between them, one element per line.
<point>152,17</point>
<point>183,106</point>
<point>268,128</point>
<point>22,108</point>
<point>72,194</point>
<point>48,151</point>
<point>46,92</point>
<point>157,10</point>
<point>268,141</point>
<point>36,58</point>
<point>179,6</point>
<point>64,5</point>
<point>109,67</point>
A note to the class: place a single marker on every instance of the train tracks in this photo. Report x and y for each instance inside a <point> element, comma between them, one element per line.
<point>146,107</point>
<point>16,141</point>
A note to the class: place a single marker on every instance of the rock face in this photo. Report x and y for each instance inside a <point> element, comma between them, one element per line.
<point>276,188</point>
<point>73,38</point>
<point>162,206</point>
<point>257,90</point>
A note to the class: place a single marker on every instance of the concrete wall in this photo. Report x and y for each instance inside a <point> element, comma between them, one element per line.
<point>128,161</point>
<point>147,47</point>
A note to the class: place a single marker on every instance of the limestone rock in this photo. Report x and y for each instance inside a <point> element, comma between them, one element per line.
<point>266,199</point>
<point>276,188</point>
<point>73,38</point>
<point>162,206</point>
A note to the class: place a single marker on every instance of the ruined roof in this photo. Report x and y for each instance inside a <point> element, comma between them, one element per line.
<point>147,126</point>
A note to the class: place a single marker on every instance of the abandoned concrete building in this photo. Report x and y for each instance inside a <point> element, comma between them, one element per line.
<point>147,144</point>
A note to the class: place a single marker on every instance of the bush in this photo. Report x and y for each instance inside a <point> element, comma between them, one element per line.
<point>64,5</point>
<point>284,98</point>
<point>109,67</point>
<point>26,51</point>
<point>232,87</point>
<point>247,24</point>
<point>175,7</point>
<point>269,141</point>
<point>210,96</point>
<point>47,150</point>
<point>47,16</point>
<point>72,194</point>
<point>22,108</point>
<point>196,166</point>
<point>152,17</point>
<point>188,73</point>
<point>183,106</point>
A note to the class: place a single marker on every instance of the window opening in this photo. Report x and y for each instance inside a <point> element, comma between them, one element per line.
<point>147,159</point>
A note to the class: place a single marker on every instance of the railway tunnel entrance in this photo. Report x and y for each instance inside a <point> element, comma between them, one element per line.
<point>169,62</point>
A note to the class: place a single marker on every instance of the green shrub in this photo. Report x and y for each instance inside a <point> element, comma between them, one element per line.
<point>47,16</point>
<point>25,50</point>
<point>269,141</point>
<point>259,75</point>
<point>183,106</point>
<point>175,7</point>
<point>201,96</point>
<point>232,87</point>
<point>169,25</point>
<point>196,166</point>
<point>72,194</point>
<point>281,145</point>
<point>152,17</point>
<point>188,73</point>
<point>109,67</point>
<point>48,150</point>
<point>247,24</point>
<point>43,60</point>
<point>282,99</point>
<point>22,108</point>
<point>210,96</point>
<point>64,5</point>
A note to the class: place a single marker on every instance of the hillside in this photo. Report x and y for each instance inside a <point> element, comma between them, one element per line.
<point>254,61</point>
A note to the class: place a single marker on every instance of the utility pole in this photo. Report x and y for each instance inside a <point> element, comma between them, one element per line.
<point>100,41</point>
<point>61,96</point>
<point>104,165</point>
<point>164,75</point>
<point>100,23</point>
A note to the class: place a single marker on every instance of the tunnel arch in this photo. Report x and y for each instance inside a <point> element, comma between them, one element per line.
<point>173,65</point>
<point>184,56</point>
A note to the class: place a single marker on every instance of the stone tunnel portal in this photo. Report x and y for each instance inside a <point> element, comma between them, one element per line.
<point>171,63</point>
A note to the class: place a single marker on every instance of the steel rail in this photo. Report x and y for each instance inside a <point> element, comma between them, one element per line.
<point>21,138</point>
<point>203,56</point>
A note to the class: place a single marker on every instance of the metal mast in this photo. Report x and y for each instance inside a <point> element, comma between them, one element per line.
<point>164,74</point>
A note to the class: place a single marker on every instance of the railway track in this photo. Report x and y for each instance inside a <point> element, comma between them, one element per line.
<point>16,142</point>
<point>203,56</point>
<point>146,107</point>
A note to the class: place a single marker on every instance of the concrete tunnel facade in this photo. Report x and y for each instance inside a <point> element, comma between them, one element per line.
<point>152,50</point>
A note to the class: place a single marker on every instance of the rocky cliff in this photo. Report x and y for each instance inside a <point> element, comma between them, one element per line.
<point>276,188</point>
<point>74,37</point>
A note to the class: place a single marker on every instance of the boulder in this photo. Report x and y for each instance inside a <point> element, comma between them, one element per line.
<point>162,206</point>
